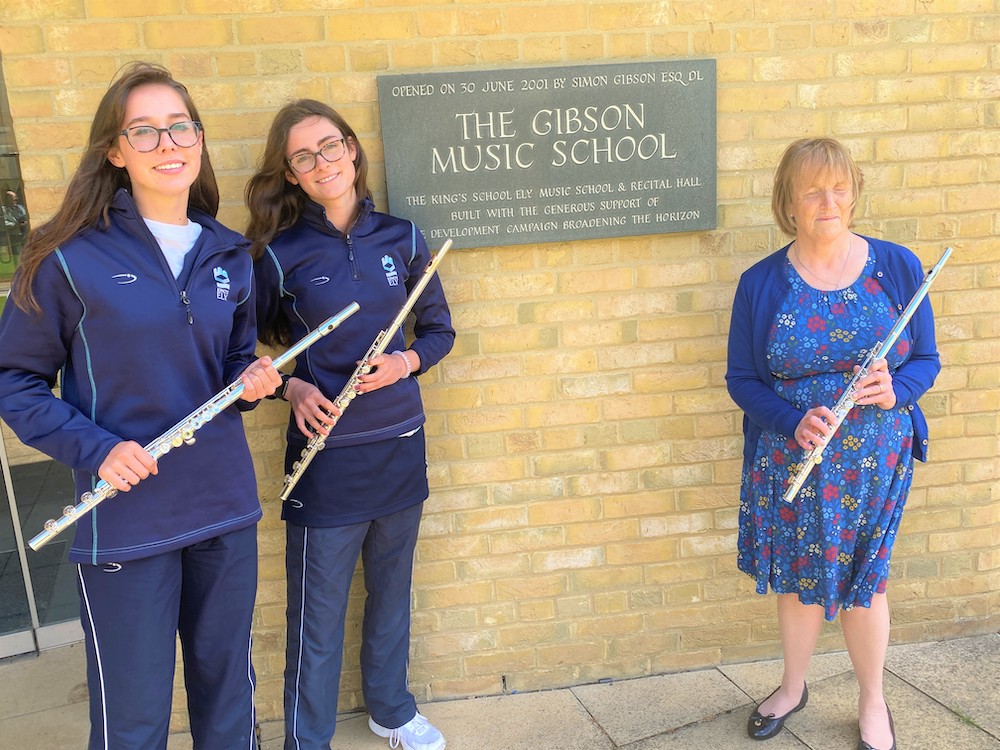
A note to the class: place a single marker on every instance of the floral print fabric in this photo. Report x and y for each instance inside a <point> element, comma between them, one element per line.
<point>831,545</point>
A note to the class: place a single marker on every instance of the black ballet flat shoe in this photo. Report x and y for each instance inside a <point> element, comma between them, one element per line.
<point>862,745</point>
<point>761,727</point>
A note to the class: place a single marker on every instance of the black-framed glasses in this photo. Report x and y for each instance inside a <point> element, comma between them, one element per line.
<point>146,138</point>
<point>305,161</point>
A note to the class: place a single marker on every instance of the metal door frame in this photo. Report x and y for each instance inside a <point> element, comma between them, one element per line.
<point>40,637</point>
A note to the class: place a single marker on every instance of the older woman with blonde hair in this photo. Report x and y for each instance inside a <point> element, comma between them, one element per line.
<point>803,319</point>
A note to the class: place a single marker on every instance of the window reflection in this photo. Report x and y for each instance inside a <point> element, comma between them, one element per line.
<point>13,209</point>
<point>15,224</point>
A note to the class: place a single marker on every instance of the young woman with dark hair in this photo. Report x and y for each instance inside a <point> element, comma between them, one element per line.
<point>319,245</point>
<point>142,303</point>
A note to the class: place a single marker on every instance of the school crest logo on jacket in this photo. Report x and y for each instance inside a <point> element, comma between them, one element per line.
<point>390,270</point>
<point>221,283</point>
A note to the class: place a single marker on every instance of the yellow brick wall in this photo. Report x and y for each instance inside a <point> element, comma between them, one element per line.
<point>584,455</point>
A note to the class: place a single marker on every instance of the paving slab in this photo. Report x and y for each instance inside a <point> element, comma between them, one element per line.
<point>547,720</point>
<point>65,727</point>
<point>52,679</point>
<point>830,719</point>
<point>923,722</point>
<point>943,695</point>
<point>962,674</point>
<point>631,710</point>
<point>759,679</point>
<point>829,722</point>
<point>725,732</point>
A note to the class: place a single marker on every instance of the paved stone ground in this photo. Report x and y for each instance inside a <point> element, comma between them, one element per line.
<point>943,695</point>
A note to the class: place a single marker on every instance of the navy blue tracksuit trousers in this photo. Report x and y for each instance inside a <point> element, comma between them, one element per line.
<point>320,562</point>
<point>132,613</point>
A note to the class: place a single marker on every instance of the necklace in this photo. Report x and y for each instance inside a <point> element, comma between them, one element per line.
<point>835,285</point>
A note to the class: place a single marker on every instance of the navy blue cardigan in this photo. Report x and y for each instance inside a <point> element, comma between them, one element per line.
<point>748,376</point>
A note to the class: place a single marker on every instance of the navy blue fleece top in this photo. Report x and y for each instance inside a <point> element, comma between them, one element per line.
<point>134,359</point>
<point>312,270</point>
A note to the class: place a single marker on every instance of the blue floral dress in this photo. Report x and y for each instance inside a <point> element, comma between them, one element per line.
<point>831,544</point>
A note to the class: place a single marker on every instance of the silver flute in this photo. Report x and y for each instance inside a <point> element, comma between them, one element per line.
<point>317,442</point>
<point>182,433</point>
<point>847,398</point>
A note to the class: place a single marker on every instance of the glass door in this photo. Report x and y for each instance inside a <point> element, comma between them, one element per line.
<point>39,604</point>
<point>16,617</point>
<point>13,209</point>
<point>38,594</point>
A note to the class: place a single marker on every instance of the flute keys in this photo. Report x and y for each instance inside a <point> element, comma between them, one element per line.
<point>50,525</point>
<point>177,441</point>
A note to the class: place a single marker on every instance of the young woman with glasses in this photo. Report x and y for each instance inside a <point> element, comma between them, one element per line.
<point>143,302</point>
<point>319,245</point>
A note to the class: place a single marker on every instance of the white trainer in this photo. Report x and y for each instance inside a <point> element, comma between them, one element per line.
<point>416,734</point>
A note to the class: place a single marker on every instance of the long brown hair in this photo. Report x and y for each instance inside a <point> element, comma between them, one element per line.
<point>275,204</point>
<point>92,189</point>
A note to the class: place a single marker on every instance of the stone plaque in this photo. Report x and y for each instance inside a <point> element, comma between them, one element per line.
<point>506,157</point>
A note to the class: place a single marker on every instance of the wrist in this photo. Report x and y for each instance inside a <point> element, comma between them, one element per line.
<point>282,390</point>
<point>406,361</point>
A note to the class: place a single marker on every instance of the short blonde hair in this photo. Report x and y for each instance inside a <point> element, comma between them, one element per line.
<point>811,156</point>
